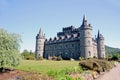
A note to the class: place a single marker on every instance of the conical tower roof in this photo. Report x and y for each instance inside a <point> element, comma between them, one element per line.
<point>84,20</point>
<point>100,36</point>
<point>40,32</point>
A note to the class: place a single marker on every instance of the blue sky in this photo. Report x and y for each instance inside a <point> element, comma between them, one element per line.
<point>25,17</point>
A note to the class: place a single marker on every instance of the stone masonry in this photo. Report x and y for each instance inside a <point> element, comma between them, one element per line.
<point>72,42</point>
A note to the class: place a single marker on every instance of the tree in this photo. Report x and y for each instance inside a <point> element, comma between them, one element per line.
<point>28,55</point>
<point>9,49</point>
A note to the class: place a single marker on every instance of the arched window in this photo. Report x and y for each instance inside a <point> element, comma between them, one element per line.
<point>89,53</point>
<point>79,54</point>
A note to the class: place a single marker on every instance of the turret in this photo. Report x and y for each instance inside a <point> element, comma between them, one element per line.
<point>86,39</point>
<point>40,39</point>
<point>100,45</point>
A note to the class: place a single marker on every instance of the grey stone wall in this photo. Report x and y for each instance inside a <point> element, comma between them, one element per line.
<point>71,43</point>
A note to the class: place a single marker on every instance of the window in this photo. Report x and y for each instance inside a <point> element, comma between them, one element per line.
<point>102,48</point>
<point>72,45</point>
<point>88,32</point>
<point>89,53</point>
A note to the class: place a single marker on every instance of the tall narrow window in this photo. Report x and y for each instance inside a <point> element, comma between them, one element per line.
<point>89,53</point>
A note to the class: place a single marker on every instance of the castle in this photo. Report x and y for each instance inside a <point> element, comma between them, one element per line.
<point>71,43</point>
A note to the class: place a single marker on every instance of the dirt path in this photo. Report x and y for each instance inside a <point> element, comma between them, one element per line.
<point>10,75</point>
<point>113,74</point>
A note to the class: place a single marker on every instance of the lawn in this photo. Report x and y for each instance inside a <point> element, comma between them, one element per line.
<point>46,65</point>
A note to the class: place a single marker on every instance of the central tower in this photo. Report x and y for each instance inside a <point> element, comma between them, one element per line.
<point>86,49</point>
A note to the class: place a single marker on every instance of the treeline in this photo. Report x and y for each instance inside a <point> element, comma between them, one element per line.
<point>111,50</point>
<point>28,55</point>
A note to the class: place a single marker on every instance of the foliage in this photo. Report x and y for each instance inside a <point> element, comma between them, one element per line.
<point>64,74</point>
<point>95,57</point>
<point>59,58</point>
<point>111,50</point>
<point>40,58</point>
<point>115,57</point>
<point>95,64</point>
<point>71,59</point>
<point>9,49</point>
<point>104,64</point>
<point>28,55</point>
<point>81,58</point>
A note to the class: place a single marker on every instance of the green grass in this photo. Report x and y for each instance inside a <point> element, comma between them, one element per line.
<point>46,65</point>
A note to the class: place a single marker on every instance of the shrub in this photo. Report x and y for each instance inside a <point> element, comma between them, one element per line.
<point>95,64</point>
<point>54,58</point>
<point>90,65</point>
<point>71,59</point>
<point>78,69</point>
<point>95,57</point>
<point>40,58</point>
<point>115,57</point>
<point>59,58</point>
<point>81,58</point>
<point>104,64</point>
<point>29,57</point>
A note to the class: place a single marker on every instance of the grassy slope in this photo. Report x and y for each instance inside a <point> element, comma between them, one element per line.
<point>111,50</point>
<point>45,66</point>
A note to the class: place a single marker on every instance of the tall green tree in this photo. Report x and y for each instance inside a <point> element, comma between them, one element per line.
<point>9,49</point>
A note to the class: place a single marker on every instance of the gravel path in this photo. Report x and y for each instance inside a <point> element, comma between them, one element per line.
<point>113,74</point>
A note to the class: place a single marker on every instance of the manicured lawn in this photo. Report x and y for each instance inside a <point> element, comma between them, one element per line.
<point>46,65</point>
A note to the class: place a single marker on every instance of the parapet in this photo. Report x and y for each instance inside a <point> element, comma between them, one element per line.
<point>63,38</point>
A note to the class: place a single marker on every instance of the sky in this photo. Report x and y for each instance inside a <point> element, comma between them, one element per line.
<point>26,17</point>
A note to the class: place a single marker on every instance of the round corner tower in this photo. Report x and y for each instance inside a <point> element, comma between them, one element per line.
<point>100,46</point>
<point>39,50</point>
<point>86,49</point>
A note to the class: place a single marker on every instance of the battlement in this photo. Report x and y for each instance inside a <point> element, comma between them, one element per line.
<point>63,38</point>
<point>68,31</point>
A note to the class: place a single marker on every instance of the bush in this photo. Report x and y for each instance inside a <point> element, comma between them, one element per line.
<point>115,57</point>
<point>104,64</point>
<point>90,65</point>
<point>27,56</point>
<point>40,58</point>
<point>95,57</point>
<point>59,58</point>
<point>95,64</point>
<point>71,59</point>
<point>81,58</point>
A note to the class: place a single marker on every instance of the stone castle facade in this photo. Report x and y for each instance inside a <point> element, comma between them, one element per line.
<point>71,43</point>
